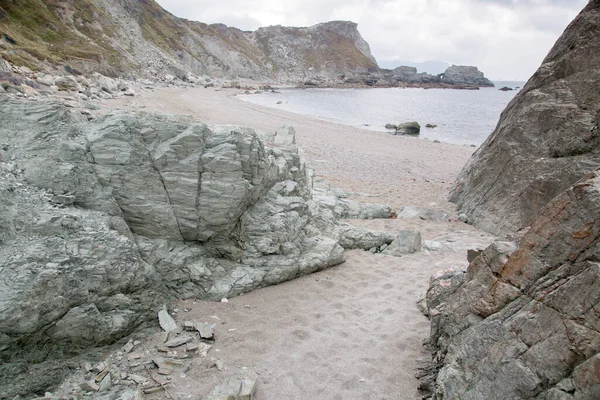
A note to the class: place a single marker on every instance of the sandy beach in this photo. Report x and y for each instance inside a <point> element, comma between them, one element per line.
<point>352,331</point>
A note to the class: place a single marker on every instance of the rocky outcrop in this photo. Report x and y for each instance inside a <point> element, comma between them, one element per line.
<point>547,138</point>
<point>125,38</point>
<point>120,38</point>
<point>465,75</point>
<point>104,221</point>
<point>521,323</point>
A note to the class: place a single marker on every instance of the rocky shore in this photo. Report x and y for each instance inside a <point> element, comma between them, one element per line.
<point>140,40</point>
<point>160,238</point>
<point>105,194</point>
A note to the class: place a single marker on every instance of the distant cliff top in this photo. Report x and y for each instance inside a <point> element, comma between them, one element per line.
<point>119,37</point>
<point>138,38</point>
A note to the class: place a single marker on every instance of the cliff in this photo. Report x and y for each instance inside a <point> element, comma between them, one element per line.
<point>521,321</point>
<point>547,137</point>
<point>139,37</point>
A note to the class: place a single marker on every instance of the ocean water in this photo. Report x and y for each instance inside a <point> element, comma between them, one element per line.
<point>462,116</point>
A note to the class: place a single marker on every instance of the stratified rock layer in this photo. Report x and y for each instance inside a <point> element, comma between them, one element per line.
<point>102,222</point>
<point>523,322</point>
<point>547,137</point>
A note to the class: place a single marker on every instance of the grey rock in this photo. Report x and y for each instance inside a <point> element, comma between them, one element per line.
<point>106,382</point>
<point>345,208</point>
<point>353,237</point>
<point>139,379</point>
<point>168,366</point>
<point>406,242</point>
<point>424,213</point>
<point>206,331</point>
<point>65,200</point>
<point>432,245</point>
<point>407,128</point>
<point>524,164</point>
<point>90,386</point>
<point>117,392</point>
<point>163,208</point>
<point>472,254</point>
<point>467,75</point>
<point>179,341</point>
<point>526,308</point>
<point>240,386</point>
<point>166,322</point>
<point>67,83</point>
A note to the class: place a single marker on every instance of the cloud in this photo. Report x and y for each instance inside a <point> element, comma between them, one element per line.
<point>504,38</point>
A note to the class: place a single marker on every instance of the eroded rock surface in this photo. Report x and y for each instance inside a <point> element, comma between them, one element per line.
<point>465,74</point>
<point>104,221</point>
<point>522,322</point>
<point>547,137</point>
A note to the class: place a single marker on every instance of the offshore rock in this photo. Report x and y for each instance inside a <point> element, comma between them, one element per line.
<point>408,128</point>
<point>465,75</point>
<point>521,323</point>
<point>162,208</point>
<point>547,138</point>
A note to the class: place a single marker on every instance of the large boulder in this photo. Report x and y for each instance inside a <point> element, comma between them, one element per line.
<point>522,323</point>
<point>102,222</point>
<point>465,75</point>
<point>547,137</point>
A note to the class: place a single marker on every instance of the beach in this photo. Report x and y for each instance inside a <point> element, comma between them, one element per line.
<point>353,331</point>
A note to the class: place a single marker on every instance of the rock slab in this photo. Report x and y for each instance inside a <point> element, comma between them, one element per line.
<point>547,138</point>
<point>521,322</point>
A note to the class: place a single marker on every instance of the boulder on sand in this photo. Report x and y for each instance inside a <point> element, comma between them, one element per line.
<point>408,128</point>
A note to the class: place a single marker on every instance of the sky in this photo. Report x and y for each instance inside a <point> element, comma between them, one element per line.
<point>506,39</point>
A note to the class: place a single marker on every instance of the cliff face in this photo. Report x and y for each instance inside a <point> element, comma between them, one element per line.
<point>521,322</point>
<point>115,37</point>
<point>547,137</point>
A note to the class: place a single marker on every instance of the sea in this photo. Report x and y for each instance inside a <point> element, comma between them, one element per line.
<point>465,117</point>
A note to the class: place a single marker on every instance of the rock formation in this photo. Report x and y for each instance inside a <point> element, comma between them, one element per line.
<point>118,38</point>
<point>104,221</point>
<point>522,322</point>
<point>128,38</point>
<point>465,75</point>
<point>547,137</point>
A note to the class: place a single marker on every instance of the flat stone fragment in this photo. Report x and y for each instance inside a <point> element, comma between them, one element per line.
<point>240,386</point>
<point>167,323</point>
<point>206,331</point>
<point>128,347</point>
<point>167,366</point>
<point>178,341</point>
<point>137,378</point>
<point>90,386</point>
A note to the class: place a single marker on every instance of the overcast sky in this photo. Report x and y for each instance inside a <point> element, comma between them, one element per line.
<point>506,39</point>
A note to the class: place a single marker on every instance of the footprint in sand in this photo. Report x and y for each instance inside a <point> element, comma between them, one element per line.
<point>388,286</point>
<point>301,334</point>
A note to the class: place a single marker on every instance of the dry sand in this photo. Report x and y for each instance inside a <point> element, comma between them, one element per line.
<point>352,331</point>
